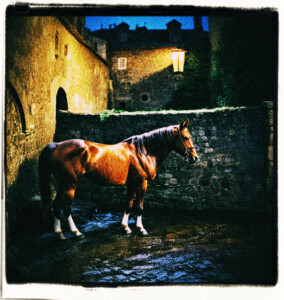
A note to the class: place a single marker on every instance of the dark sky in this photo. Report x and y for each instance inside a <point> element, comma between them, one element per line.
<point>95,23</point>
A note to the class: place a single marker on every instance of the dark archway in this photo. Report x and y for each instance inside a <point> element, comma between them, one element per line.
<point>61,100</point>
<point>61,104</point>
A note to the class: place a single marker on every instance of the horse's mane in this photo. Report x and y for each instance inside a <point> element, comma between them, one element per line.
<point>150,142</point>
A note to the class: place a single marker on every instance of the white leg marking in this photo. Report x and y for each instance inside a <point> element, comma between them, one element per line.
<point>72,226</point>
<point>140,225</point>
<point>58,230</point>
<point>124,223</point>
<point>57,226</point>
<point>139,222</point>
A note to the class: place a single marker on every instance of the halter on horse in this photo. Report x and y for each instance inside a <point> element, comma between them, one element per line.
<point>132,162</point>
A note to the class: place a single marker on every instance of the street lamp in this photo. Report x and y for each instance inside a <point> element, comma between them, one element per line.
<point>178,57</point>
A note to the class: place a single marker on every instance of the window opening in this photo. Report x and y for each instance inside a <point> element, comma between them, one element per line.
<point>65,50</point>
<point>57,41</point>
<point>145,97</point>
<point>122,63</point>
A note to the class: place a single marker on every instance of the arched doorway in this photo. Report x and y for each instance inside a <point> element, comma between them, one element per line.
<point>61,100</point>
<point>61,104</point>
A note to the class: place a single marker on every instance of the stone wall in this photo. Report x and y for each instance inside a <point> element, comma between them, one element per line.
<point>148,81</point>
<point>44,55</point>
<point>235,167</point>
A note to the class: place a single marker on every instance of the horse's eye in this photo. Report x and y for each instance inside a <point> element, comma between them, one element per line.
<point>186,138</point>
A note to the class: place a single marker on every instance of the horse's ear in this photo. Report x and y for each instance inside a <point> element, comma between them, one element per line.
<point>183,125</point>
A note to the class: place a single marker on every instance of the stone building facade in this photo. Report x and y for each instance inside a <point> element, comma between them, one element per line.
<point>49,67</point>
<point>140,61</point>
<point>147,80</point>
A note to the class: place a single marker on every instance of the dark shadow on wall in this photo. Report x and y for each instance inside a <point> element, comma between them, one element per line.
<point>150,93</point>
<point>23,214</point>
<point>59,125</point>
<point>23,218</point>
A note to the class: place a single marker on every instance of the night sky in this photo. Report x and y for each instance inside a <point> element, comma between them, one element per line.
<point>95,23</point>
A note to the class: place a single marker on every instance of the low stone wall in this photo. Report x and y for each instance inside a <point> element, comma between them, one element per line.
<point>234,171</point>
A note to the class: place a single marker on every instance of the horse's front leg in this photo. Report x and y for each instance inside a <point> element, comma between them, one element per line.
<point>141,191</point>
<point>129,198</point>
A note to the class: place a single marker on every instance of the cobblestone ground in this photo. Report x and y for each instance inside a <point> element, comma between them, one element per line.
<point>180,249</point>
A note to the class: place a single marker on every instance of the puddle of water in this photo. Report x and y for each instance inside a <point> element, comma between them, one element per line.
<point>178,250</point>
<point>100,221</point>
<point>138,257</point>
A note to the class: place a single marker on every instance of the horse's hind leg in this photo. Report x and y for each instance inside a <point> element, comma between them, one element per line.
<point>141,191</point>
<point>63,200</point>
<point>130,197</point>
<point>68,200</point>
<point>57,206</point>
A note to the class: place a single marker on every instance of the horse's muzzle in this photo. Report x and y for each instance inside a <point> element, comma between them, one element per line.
<point>193,160</point>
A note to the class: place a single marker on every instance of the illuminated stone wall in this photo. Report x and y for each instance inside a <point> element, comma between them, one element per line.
<point>148,81</point>
<point>44,55</point>
<point>236,166</point>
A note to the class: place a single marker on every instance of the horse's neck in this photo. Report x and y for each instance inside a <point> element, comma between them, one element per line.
<point>162,153</point>
<point>160,157</point>
<point>165,146</point>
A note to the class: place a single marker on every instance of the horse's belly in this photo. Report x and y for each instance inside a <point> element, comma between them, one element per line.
<point>105,179</point>
<point>109,171</point>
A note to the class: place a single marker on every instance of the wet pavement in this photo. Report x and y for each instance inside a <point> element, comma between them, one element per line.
<point>180,249</point>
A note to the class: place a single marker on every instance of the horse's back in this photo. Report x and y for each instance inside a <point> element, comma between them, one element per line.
<point>109,164</point>
<point>105,164</point>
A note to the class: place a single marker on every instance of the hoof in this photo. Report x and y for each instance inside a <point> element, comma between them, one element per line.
<point>60,236</point>
<point>126,229</point>
<point>143,233</point>
<point>80,237</point>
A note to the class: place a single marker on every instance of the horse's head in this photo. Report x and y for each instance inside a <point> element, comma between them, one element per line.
<point>184,144</point>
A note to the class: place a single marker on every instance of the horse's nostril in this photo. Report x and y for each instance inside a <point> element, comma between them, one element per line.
<point>195,159</point>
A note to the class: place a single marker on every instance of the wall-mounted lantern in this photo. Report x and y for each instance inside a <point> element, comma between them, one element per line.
<point>178,57</point>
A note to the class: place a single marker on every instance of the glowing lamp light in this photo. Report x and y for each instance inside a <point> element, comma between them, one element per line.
<point>178,57</point>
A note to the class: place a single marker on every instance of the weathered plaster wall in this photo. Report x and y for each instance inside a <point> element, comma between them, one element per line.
<point>43,56</point>
<point>235,149</point>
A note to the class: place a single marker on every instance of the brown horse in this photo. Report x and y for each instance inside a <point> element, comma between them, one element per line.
<point>132,162</point>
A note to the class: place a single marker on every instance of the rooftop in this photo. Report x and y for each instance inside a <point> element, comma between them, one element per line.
<point>121,36</point>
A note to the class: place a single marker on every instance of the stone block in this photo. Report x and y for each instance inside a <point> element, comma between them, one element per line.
<point>209,150</point>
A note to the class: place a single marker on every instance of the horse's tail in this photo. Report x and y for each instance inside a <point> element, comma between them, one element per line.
<point>44,174</point>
